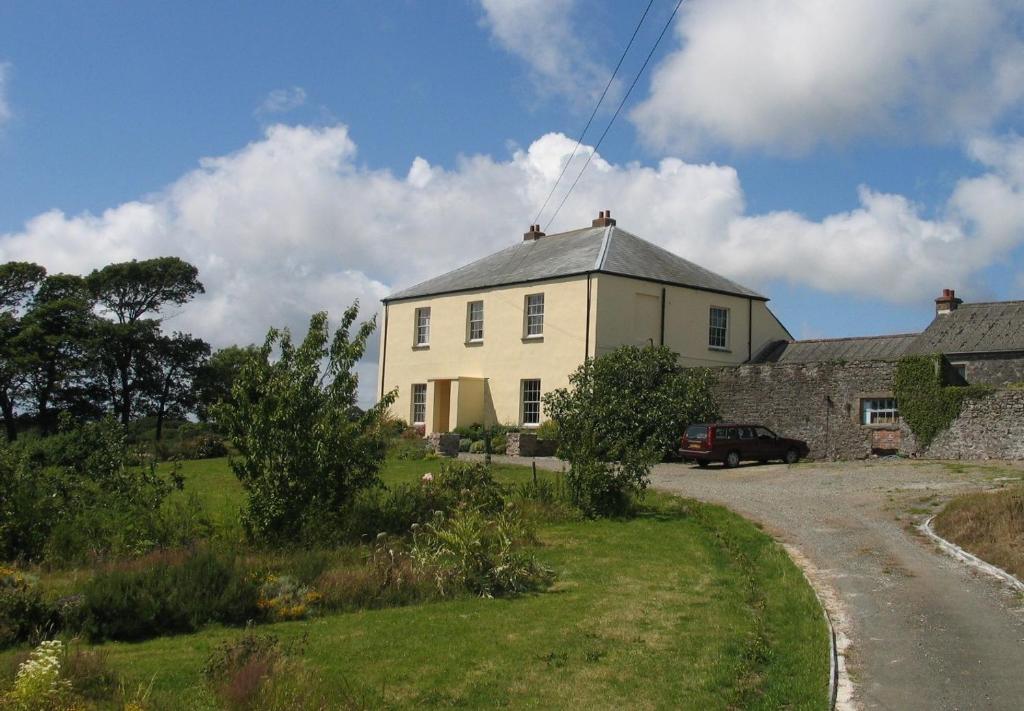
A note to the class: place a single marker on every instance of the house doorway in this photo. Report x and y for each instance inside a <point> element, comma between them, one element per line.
<point>442,406</point>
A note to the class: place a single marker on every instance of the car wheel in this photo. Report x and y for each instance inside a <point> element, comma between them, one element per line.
<point>792,456</point>
<point>702,463</point>
<point>732,460</point>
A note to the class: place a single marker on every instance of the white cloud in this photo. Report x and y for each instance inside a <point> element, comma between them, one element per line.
<point>541,33</point>
<point>790,74</point>
<point>292,224</point>
<point>281,101</point>
<point>5,109</point>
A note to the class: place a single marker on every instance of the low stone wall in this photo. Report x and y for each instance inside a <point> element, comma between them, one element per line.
<point>446,444</point>
<point>815,402</point>
<point>991,427</point>
<point>526,444</point>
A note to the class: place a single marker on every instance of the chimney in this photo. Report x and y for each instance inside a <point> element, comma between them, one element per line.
<point>604,219</point>
<point>533,234</point>
<point>947,303</point>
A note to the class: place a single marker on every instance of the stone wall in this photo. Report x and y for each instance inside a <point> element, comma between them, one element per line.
<point>526,444</point>
<point>988,428</point>
<point>447,445</point>
<point>815,402</point>
<point>992,369</point>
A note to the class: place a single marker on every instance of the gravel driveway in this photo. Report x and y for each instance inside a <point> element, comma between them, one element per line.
<point>922,631</point>
<point>918,629</point>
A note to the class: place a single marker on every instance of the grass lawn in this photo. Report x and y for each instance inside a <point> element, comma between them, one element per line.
<point>988,524</point>
<point>684,606</point>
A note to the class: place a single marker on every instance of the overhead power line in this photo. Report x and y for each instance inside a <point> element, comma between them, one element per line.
<point>615,115</point>
<point>594,112</point>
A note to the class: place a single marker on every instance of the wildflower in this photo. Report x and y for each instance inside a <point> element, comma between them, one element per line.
<point>427,478</point>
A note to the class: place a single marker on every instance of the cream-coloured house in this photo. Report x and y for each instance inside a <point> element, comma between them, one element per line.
<point>483,343</point>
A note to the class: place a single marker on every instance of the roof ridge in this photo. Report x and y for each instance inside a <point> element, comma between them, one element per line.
<point>854,338</point>
<point>990,303</point>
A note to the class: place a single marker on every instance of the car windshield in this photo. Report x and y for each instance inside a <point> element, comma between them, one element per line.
<point>697,432</point>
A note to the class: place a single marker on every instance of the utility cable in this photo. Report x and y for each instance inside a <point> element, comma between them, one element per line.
<point>615,115</point>
<point>607,86</point>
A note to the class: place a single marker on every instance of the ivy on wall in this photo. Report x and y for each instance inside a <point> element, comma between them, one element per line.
<point>926,403</point>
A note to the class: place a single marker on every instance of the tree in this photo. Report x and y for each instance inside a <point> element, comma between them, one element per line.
<point>51,346</point>
<point>174,362</point>
<point>18,282</point>
<point>129,291</point>
<point>214,380</point>
<point>306,448</point>
<point>621,413</point>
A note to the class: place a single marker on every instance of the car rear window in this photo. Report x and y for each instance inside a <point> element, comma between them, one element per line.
<point>697,432</point>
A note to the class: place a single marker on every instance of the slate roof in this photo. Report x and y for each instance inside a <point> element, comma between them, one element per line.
<point>975,328</point>
<point>609,250</point>
<point>837,349</point>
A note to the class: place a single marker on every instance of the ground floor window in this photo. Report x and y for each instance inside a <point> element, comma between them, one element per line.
<point>879,411</point>
<point>419,403</point>
<point>531,402</point>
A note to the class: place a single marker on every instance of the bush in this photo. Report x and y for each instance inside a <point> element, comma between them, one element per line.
<point>24,614</point>
<point>167,593</point>
<point>306,448</point>
<point>548,430</point>
<point>388,578</point>
<point>258,673</point>
<point>498,444</point>
<point>77,493</point>
<point>464,444</point>
<point>408,449</point>
<point>477,447</point>
<point>610,455</point>
<point>469,484</point>
<point>469,552</point>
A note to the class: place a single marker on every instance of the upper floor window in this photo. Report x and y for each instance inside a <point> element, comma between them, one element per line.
<point>534,315</point>
<point>419,403</point>
<point>531,402</point>
<point>718,330</point>
<point>423,326</point>
<point>475,321</point>
<point>879,411</point>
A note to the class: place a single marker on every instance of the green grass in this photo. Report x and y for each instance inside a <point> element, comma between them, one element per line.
<point>685,606</point>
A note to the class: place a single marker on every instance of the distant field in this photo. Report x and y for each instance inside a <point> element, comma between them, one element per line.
<point>685,606</point>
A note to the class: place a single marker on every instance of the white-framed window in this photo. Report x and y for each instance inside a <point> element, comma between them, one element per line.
<point>531,402</point>
<point>475,321</point>
<point>718,329</point>
<point>422,335</point>
<point>534,315</point>
<point>419,403</point>
<point>879,411</point>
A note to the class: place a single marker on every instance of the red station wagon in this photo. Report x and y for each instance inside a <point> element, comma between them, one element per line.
<point>732,443</point>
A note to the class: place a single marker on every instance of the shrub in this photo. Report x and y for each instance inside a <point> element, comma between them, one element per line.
<point>469,552</point>
<point>284,598</point>
<point>388,578</point>
<point>469,484</point>
<point>548,430</point>
<point>78,493</point>
<point>39,683</point>
<point>24,614</point>
<point>464,444</point>
<point>409,449</point>
<point>477,447</point>
<point>545,500</point>
<point>306,448</point>
<point>610,454</point>
<point>167,593</point>
<point>258,673</point>
<point>498,444</point>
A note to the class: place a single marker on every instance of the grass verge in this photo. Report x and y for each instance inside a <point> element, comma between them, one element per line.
<point>990,525</point>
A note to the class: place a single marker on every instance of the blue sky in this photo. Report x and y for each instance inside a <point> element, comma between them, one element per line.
<point>848,159</point>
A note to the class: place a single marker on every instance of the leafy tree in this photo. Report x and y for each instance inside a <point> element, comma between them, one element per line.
<point>621,413</point>
<point>214,380</point>
<point>51,346</point>
<point>306,448</point>
<point>130,291</point>
<point>18,282</point>
<point>173,366</point>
